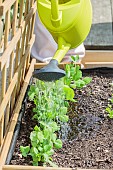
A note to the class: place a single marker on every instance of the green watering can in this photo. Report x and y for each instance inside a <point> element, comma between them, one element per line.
<point>69,22</point>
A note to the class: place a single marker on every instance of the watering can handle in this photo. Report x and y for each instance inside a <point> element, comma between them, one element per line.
<point>54,9</point>
<point>56,15</point>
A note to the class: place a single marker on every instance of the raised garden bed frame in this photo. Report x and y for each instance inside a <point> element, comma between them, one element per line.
<point>16,53</point>
<point>97,59</point>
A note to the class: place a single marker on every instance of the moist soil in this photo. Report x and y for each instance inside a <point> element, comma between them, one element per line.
<point>88,136</point>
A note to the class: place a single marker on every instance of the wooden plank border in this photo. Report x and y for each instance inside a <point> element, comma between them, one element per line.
<point>19,167</point>
<point>61,65</point>
<point>91,59</point>
<point>13,167</point>
<point>98,58</point>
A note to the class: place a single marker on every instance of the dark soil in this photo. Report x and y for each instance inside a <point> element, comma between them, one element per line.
<point>88,136</point>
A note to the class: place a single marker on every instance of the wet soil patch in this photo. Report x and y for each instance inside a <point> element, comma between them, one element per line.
<point>88,136</point>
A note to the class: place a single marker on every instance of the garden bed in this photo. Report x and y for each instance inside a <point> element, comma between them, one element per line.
<point>88,136</point>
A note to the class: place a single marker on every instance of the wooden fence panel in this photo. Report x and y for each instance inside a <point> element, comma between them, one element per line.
<point>18,19</point>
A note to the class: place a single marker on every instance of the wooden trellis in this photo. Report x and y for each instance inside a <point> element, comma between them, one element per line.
<point>18,19</point>
<point>16,69</point>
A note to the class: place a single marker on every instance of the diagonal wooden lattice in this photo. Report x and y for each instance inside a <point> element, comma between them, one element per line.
<point>17,23</point>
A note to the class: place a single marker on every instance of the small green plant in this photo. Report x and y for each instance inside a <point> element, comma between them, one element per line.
<point>73,76</point>
<point>51,105</point>
<point>43,140</point>
<point>49,100</point>
<point>109,108</point>
<point>50,108</point>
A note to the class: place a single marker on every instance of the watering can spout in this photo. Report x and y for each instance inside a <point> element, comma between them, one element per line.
<point>56,15</point>
<point>50,72</point>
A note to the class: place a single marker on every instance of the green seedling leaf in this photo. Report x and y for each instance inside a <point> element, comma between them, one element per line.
<point>73,86</point>
<point>34,144</point>
<point>50,115</point>
<point>24,150</point>
<point>33,136</point>
<point>51,152</point>
<point>35,117</point>
<point>46,133</point>
<point>80,84</point>
<point>36,90</point>
<point>72,71</point>
<point>43,124</point>
<point>87,80</point>
<point>35,163</point>
<point>78,75</point>
<point>69,92</point>
<point>53,137</point>
<point>35,150</point>
<point>58,144</point>
<point>77,68</point>
<point>75,58</point>
<point>47,148</point>
<point>35,157</point>
<point>67,67</point>
<point>32,92</point>
<point>66,104</point>
<point>108,110</point>
<point>40,148</point>
<point>31,95</point>
<point>53,125</point>
<point>46,157</point>
<point>67,81</point>
<point>111,114</point>
<point>63,110</point>
<point>32,88</point>
<point>40,136</point>
<point>63,118</point>
<point>46,142</point>
<point>36,128</point>
<point>39,157</point>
